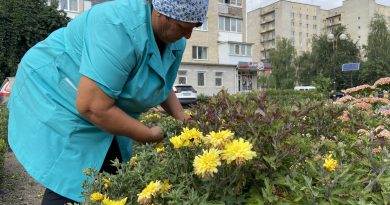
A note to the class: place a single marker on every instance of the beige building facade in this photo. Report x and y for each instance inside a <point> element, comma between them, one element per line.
<point>300,22</point>
<point>210,61</point>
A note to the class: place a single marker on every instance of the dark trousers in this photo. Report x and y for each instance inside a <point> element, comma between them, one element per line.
<point>52,198</point>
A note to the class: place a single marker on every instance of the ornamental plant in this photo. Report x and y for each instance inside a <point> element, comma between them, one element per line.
<point>255,149</point>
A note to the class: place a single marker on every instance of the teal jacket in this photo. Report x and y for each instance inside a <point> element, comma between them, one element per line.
<point>113,44</point>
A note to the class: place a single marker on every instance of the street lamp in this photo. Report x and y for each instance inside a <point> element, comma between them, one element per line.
<point>332,39</point>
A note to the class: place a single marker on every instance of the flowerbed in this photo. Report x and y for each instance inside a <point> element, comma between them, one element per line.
<point>248,149</point>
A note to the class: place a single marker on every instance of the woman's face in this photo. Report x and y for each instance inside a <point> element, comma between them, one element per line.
<point>170,30</point>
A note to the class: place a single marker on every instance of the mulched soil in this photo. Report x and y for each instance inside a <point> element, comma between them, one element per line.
<point>17,187</point>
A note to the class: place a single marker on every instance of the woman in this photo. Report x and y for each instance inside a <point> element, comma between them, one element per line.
<point>78,94</point>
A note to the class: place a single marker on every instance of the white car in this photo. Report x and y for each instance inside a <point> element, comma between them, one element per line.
<point>185,93</point>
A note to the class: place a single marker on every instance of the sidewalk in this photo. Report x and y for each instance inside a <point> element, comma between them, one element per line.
<point>17,187</point>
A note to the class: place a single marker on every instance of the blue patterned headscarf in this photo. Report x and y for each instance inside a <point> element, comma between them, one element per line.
<point>191,11</point>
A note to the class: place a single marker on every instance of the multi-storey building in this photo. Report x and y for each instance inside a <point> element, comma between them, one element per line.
<point>212,55</point>
<point>300,22</point>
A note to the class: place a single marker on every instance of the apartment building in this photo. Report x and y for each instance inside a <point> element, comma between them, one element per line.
<point>300,22</point>
<point>215,50</point>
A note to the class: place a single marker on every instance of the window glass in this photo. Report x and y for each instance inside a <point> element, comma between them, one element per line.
<point>63,4</point>
<point>221,23</point>
<point>243,50</point>
<point>233,24</point>
<point>73,5</point>
<point>182,80</point>
<point>239,23</point>
<point>227,24</point>
<point>200,78</point>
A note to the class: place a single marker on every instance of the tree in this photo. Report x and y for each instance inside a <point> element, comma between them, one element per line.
<point>23,23</point>
<point>328,57</point>
<point>305,72</point>
<point>377,51</point>
<point>281,59</point>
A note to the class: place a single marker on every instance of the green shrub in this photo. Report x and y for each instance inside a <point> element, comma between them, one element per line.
<point>305,154</point>
<point>3,122</point>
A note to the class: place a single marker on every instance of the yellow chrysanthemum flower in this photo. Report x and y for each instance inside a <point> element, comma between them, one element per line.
<point>160,148</point>
<point>239,151</point>
<point>165,186</point>
<point>108,201</point>
<point>187,112</point>
<point>191,137</point>
<point>133,161</point>
<point>206,164</point>
<point>330,164</point>
<point>220,138</point>
<point>153,188</point>
<point>177,142</point>
<point>106,182</point>
<point>97,196</point>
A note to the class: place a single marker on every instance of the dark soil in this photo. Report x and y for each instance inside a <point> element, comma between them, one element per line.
<point>17,187</point>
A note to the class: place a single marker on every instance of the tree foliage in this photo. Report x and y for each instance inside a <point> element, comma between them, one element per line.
<point>282,59</point>
<point>328,57</point>
<point>377,51</point>
<point>23,23</point>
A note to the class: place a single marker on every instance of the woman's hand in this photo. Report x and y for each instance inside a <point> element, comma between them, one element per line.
<point>156,133</point>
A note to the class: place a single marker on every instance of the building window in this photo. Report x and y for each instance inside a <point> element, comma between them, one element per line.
<point>292,15</point>
<point>307,35</point>
<point>292,24</point>
<point>230,24</point>
<point>314,17</point>
<point>67,5</point>
<point>300,24</point>
<point>203,27</point>
<point>300,16</point>
<point>218,78</point>
<point>307,25</point>
<point>358,17</point>
<point>300,34</point>
<point>358,27</point>
<point>201,78</point>
<point>240,49</point>
<point>307,17</point>
<point>292,42</point>
<point>292,33</point>
<point>231,2</point>
<point>182,77</point>
<point>314,26</point>
<point>199,53</point>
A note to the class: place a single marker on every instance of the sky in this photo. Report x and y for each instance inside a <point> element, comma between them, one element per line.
<point>325,4</point>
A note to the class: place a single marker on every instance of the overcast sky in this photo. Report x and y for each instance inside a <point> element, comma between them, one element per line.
<point>325,4</point>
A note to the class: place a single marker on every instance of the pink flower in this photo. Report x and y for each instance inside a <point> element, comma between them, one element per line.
<point>345,99</point>
<point>362,105</point>
<point>359,88</point>
<point>382,81</point>
<point>344,117</point>
<point>385,112</point>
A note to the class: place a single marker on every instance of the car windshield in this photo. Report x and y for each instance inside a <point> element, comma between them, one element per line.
<point>184,88</point>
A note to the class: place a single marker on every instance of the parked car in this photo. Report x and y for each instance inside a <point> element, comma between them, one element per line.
<point>5,89</point>
<point>336,96</point>
<point>185,93</point>
<point>307,87</point>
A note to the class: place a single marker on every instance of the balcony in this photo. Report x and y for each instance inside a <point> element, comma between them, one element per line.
<point>230,10</point>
